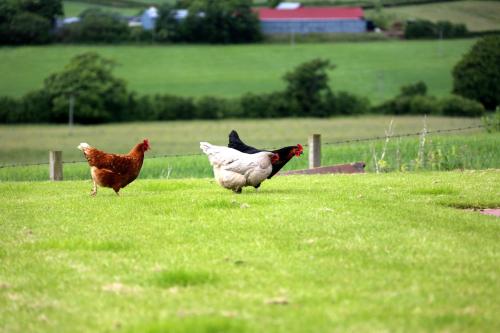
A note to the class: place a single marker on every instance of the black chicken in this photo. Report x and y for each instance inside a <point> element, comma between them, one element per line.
<point>285,153</point>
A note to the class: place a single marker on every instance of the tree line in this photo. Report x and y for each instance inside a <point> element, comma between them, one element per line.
<point>208,21</point>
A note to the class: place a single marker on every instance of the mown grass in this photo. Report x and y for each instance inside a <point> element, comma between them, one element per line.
<point>307,253</point>
<point>376,70</point>
<point>477,15</point>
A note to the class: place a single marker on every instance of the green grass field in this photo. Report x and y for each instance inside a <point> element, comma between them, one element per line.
<point>477,15</point>
<point>376,70</point>
<point>337,253</point>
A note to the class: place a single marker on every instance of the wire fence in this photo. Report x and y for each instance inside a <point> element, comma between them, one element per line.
<point>338,142</point>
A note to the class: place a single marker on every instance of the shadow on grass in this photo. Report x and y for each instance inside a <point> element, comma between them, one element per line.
<point>84,245</point>
<point>182,278</point>
<point>447,190</point>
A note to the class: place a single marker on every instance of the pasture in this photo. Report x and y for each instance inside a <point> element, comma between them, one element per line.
<point>391,252</point>
<point>75,8</point>
<point>376,70</point>
<point>477,15</point>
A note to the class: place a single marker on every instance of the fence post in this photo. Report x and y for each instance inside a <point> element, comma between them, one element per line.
<point>314,151</point>
<point>55,165</point>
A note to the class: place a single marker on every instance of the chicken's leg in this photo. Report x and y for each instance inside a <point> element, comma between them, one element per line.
<point>94,189</point>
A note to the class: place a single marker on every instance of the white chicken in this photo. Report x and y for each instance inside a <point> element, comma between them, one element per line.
<point>234,169</point>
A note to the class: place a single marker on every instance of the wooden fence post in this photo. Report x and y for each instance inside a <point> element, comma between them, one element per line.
<point>314,151</point>
<point>55,165</point>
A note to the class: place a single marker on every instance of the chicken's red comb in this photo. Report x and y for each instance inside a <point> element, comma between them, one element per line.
<point>300,147</point>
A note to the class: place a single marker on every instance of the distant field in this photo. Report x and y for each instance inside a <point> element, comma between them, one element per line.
<point>73,8</point>
<point>375,69</point>
<point>477,15</point>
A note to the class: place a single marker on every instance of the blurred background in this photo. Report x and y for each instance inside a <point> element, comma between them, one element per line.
<point>401,85</point>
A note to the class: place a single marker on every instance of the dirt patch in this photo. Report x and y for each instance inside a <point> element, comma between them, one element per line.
<point>491,211</point>
<point>485,211</point>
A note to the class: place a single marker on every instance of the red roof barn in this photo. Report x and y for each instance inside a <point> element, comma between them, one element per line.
<point>312,20</point>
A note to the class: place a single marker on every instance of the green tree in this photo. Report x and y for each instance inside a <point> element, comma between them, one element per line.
<point>212,21</point>
<point>27,21</point>
<point>99,96</point>
<point>477,75</point>
<point>167,26</point>
<point>307,86</point>
<point>419,88</point>
<point>97,26</point>
<point>273,3</point>
<point>49,9</point>
<point>29,28</point>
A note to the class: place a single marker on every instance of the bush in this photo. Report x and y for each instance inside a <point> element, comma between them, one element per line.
<point>10,108</point>
<point>307,86</point>
<point>96,26</point>
<point>211,108</point>
<point>420,29</point>
<point>419,104</point>
<point>169,107</point>
<point>28,21</point>
<point>477,75</point>
<point>278,105</point>
<point>419,88</point>
<point>426,29</point>
<point>271,105</point>
<point>402,105</point>
<point>459,106</point>
<point>255,106</point>
<point>447,29</point>
<point>344,103</point>
<point>29,28</point>
<point>36,107</point>
<point>138,34</point>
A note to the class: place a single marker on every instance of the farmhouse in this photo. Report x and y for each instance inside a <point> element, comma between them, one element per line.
<point>149,17</point>
<point>306,20</point>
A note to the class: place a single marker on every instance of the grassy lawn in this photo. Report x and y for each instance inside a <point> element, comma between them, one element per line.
<point>376,70</point>
<point>306,254</point>
<point>477,15</point>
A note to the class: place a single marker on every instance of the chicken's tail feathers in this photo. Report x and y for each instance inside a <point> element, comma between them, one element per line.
<point>205,146</point>
<point>83,146</point>
<point>234,138</point>
<point>234,135</point>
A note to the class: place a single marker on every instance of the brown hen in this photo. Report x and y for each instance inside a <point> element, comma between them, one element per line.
<point>114,170</point>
